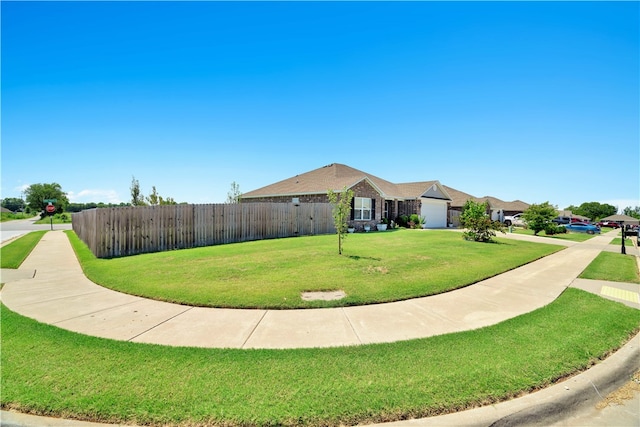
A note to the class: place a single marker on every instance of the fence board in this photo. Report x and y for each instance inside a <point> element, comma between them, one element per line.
<point>123,231</point>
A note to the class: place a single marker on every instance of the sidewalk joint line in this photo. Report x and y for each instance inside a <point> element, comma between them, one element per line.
<point>244,343</point>
<point>161,323</point>
<point>344,312</point>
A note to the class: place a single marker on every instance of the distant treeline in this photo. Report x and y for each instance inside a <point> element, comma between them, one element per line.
<point>77,207</point>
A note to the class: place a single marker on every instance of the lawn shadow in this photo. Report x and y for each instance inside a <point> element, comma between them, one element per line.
<point>358,258</point>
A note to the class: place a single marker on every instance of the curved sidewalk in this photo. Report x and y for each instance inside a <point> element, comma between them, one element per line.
<point>51,288</point>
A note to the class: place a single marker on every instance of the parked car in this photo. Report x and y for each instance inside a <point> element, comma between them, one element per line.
<point>562,220</point>
<point>582,227</point>
<point>566,220</point>
<point>513,220</point>
<point>611,224</point>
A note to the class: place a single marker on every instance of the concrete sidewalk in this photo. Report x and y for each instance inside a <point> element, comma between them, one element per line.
<point>51,288</point>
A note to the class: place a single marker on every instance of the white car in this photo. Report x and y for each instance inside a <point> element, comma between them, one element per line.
<point>513,220</point>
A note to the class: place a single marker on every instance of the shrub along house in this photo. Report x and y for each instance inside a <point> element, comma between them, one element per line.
<point>374,199</point>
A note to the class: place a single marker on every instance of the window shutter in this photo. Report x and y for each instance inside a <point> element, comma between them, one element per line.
<point>373,208</point>
<point>353,208</point>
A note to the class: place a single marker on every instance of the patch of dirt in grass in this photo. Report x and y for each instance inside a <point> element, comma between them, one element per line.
<point>379,269</point>
<point>626,392</point>
<point>323,295</point>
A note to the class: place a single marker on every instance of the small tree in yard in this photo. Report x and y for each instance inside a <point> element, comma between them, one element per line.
<point>234,195</point>
<point>479,226</point>
<point>539,217</point>
<point>137,199</point>
<point>341,210</point>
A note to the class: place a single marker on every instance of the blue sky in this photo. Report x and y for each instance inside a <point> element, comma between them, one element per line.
<point>533,101</point>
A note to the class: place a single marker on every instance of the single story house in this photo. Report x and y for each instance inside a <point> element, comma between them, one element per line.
<point>496,208</point>
<point>374,198</point>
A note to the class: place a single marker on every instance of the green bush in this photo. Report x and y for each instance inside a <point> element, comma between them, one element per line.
<point>415,221</point>
<point>551,228</point>
<point>478,225</point>
<point>402,221</point>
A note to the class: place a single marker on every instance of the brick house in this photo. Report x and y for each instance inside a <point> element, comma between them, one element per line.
<point>497,209</point>
<point>374,198</point>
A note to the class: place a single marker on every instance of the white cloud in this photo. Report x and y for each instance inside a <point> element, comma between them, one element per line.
<point>22,187</point>
<point>97,196</point>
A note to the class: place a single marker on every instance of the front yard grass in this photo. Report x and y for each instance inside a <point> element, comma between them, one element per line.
<point>51,371</point>
<point>374,268</point>
<point>14,253</point>
<point>614,267</point>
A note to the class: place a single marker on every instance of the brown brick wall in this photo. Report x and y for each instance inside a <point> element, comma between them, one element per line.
<point>361,189</point>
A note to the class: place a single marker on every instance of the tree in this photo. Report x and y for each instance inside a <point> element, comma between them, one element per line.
<point>154,199</point>
<point>233,196</point>
<point>137,199</point>
<point>168,201</point>
<point>539,216</point>
<point>479,226</point>
<point>634,212</point>
<point>341,212</point>
<point>36,194</point>
<point>14,204</point>
<point>593,210</point>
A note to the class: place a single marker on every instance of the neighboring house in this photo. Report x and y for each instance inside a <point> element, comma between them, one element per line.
<point>374,198</point>
<point>565,217</point>
<point>500,208</point>
<point>496,208</point>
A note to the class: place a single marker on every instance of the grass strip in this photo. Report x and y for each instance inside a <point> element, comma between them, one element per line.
<point>613,267</point>
<point>618,242</point>
<point>374,268</point>
<point>46,370</point>
<point>13,254</point>
<point>59,218</point>
<point>572,237</point>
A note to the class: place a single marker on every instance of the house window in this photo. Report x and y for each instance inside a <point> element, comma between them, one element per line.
<point>362,208</point>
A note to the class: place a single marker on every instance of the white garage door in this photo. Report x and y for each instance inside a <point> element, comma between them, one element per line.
<point>435,212</point>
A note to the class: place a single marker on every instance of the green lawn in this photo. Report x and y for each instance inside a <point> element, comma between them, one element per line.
<point>614,267</point>
<point>46,370</point>
<point>618,242</point>
<point>374,267</point>
<point>14,253</point>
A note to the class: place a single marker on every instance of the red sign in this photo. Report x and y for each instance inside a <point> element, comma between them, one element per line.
<point>50,208</point>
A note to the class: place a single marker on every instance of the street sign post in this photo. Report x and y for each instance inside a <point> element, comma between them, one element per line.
<point>50,208</point>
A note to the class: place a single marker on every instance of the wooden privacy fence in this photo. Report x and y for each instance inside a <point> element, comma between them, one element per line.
<point>123,231</point>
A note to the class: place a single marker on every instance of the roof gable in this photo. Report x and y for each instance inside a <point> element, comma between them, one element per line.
<point>336,176</point>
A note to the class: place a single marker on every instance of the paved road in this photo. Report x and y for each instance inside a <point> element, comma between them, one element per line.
<point>9,230</point>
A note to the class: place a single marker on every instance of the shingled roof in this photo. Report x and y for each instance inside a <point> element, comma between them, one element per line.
<point>516,205</point>
<point>458,199</point>
<point>335,177</point>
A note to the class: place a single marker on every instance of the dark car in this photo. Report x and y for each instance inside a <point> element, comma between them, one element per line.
<point>582,227</point>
